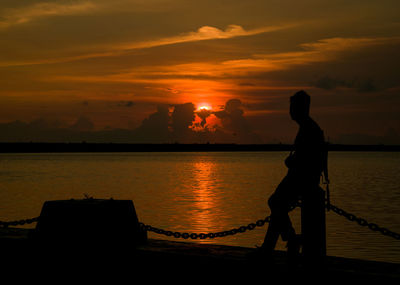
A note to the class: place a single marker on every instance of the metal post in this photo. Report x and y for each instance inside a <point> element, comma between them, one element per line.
<point>313,226</point>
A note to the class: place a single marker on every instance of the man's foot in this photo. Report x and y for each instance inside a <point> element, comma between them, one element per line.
<point>260,253</point>
<point>293,247</point>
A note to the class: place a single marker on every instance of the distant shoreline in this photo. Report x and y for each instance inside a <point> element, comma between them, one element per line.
<point>33,147</point>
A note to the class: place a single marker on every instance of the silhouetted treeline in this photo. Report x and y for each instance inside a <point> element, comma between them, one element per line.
<point>121,147</point>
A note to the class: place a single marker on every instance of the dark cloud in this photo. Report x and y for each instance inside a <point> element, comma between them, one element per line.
<point>43,123</point>
<point>232,116</point>
<point>169,124</point>
<point>203,114</point>
<point>166,127</point>
<point>391,137</point>
<point>44,130</point>
<point>234,122</point>
<point>154,128</point>
<point>157,120</point>
<point>179,125</point>
<point>366,85</point>
<point>328,83</point>
<point>83,124</point>
<point>125,104</point>
<point>246,84</point>
<point>182,118</point>
<point>120,104</point>
<point>361,85</point>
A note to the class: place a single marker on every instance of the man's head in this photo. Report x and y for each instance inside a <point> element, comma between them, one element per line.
<point>299,106</point>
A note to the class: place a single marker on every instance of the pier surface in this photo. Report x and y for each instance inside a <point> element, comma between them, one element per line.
<point>176,258</point>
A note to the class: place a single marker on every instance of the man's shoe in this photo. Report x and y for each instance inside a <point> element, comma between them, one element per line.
<point>260,253</point>
<point>293,247</point>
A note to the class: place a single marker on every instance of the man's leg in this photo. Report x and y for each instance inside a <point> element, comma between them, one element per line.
<point>271,236</point>
<point>280,223</point>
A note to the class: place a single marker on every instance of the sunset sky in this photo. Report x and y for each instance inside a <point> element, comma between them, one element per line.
<point>140,70</point>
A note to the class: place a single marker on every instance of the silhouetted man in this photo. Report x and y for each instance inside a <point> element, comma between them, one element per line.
<point>305,165</point>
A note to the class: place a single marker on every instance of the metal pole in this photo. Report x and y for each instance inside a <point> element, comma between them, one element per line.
<point>313,226</point>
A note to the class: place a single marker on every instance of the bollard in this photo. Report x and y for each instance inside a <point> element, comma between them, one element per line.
<point>313,226</point>
<point>89,223</point>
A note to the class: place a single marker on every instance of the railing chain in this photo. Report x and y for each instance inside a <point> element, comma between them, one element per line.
<point>185,235</point>
<point>360,221</point>
<point>18,222</point>
<point>364,223</point>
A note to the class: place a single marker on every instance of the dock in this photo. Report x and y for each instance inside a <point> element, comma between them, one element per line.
<point>162,259</point>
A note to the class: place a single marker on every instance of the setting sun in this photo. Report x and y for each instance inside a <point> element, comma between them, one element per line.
<point>204,107</point>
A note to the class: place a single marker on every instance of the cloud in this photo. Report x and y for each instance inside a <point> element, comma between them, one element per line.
<point>44,123</point>
<point>234,122</point>
<point>174,123</point>
<point>154,128</point>
<point>118,49</point>
<point>314,52</point>
<point>180,125</point>
<point>366,85</point>
<point>182,118</point>
<point>125,104</point>
<point>202,34</point>
<point>46,130</point>
<point>361,85</point>
<point>83,124</point>
<point>325,50</point>
<point>390,137</point>
<point>203,114</point>
<point>17,16</point>
<point>232,116</point>
<point>341,44</point>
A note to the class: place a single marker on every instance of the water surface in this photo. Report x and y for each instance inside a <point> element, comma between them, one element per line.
<point>211,191</point>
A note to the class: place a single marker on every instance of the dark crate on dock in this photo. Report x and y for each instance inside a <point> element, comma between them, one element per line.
<point>89,223</point>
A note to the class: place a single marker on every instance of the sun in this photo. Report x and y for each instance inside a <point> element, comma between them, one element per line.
<point>204,107</point>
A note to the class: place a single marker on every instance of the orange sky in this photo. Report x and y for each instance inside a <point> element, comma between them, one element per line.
<point>114,64</point>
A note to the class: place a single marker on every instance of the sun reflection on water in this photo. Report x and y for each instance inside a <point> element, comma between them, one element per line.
<point>205,218</point>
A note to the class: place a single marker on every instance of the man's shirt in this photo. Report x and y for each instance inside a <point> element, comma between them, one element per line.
<point>307,161</point>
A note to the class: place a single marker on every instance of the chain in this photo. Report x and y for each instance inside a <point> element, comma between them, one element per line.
<point>19,222</point>
<point>362,222</point>
<point>233,231</point>
<point>260,223</point>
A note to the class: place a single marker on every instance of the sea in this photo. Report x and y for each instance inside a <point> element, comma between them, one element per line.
<point>210,192</point>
